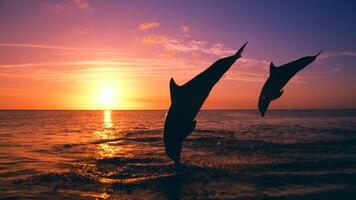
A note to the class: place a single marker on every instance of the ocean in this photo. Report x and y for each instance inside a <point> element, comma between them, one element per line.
<point>288,154</point>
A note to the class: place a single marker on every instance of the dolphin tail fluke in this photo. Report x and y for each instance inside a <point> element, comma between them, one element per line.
<point>319,53</point>
<point>239,52</point>
<point>313,58</point>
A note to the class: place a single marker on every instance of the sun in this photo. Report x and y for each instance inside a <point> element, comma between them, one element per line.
<point>107,98</point>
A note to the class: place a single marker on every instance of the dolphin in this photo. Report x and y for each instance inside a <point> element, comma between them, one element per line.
<point>186,101</point>
<point>278,78</point>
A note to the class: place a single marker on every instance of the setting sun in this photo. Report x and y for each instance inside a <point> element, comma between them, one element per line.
<point>107,97</point>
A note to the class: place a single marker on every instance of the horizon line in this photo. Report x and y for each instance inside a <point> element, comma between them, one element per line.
<point>287,109</point>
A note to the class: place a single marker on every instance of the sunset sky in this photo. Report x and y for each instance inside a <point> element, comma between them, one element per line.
<point>87,54</point>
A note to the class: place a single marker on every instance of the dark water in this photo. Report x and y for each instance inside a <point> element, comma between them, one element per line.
<point>231,155</point>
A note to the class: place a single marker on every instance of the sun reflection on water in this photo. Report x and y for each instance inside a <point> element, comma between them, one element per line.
<point>107,119</point>
<point>111,148</point>
<point>107,149</point>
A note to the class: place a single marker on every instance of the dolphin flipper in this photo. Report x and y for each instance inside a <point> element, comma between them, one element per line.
<point>278,95</point>
<point>191,129</point>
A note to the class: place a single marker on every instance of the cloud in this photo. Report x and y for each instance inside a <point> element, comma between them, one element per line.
<point>60,7</point>
<point>38,46</point>
<point>154,39</point>
<point>246,76</point>
<point>252,62</point>
<point>168,54</point>
<point>55,47</point>
<point>337,69</point>
<point>83,5</point>
<point>219,50</point>
<point>250,70</point>
<point>54,7</point>
<point>123,62</point>
<point>185,29</point>
<point>73,63</point>
<point>148,25</point>
<point>88,70</point>
<point>337,54</point>
<point>183,45</point>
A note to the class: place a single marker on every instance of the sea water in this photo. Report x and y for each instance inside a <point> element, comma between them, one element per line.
<point>303,154</point>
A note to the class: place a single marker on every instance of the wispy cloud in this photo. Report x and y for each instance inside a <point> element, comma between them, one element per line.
<point>39,46</point>
<point>73,63</point>
<point>154,39</point>
<point>246,76</point>
<point>55,47</point>
<point>168,54</point>
<point>54,7</point>
<point>178,47</point>
<point>337,69</point>
<point>337,54</point>
<point>124,62</point>
<point>92,69</point>
<point>185,29</point>
<point>83,5</point>
<point>148,25</point>
<point>60,7</point>
<point>183,45</point>
<point>251,61</point>
<point>219,50</point>
<point>248,70</point>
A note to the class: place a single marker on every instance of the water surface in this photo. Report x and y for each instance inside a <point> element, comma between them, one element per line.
<point>301,154</point>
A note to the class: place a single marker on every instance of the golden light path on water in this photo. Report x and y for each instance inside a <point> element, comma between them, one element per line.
<point>112,147</point>
<point>105,149</point>
<point>107,119</point>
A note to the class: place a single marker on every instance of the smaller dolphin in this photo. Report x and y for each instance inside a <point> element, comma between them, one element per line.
<point>278,78</point>
<point>186,101</point>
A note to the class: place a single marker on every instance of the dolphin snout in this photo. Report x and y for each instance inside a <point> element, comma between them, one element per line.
<point>262,106</point>
<point>262,113</point>
<point>173,149</point>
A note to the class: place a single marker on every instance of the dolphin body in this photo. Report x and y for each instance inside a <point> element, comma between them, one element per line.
<point>278,78</point>
<point>186,101</point>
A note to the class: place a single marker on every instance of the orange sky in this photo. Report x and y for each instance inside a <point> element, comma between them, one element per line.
<point>116,55</point>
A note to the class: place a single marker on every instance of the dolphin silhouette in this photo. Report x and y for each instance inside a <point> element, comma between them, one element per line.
<point>278,78</point>
<point>186,101</point>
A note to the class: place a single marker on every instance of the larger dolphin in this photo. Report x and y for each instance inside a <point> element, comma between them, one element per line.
<point>186,101</point>
<point>278,78</point>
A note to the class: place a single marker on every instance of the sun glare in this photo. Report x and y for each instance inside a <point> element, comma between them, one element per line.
<point>107,98</point>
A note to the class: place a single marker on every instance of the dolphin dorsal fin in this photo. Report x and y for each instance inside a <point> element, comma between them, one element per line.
<point>272,68</point>
<point>173,87</point>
